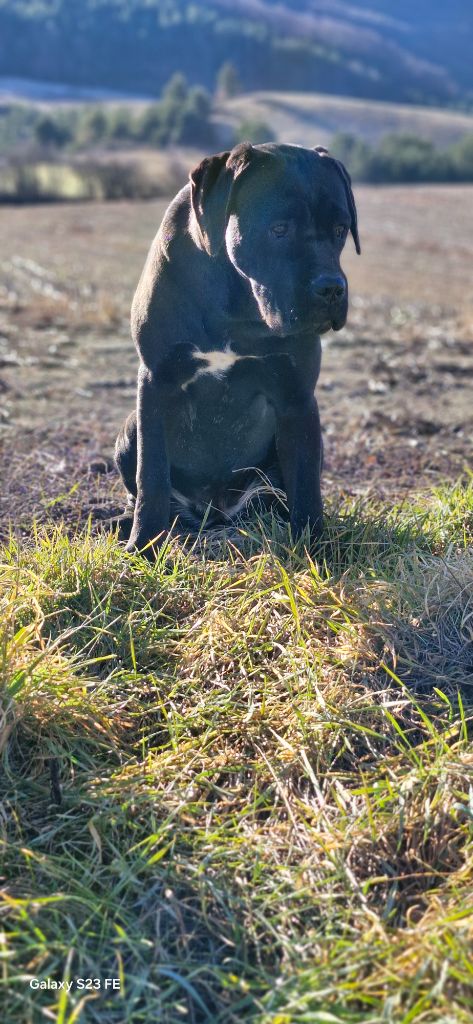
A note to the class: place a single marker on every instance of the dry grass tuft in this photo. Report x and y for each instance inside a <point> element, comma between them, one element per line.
<point>435,643</point>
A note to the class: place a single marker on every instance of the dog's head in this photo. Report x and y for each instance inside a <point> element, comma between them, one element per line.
<point>283,214</point>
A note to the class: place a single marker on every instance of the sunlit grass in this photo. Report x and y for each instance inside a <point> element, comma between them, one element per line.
<point>239,780</point>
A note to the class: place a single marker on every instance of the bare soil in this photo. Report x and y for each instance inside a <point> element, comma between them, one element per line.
<point>395,390</point>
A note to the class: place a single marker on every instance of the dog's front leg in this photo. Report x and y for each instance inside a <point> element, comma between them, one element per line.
<point>299,447</point>
<point>152,508</point>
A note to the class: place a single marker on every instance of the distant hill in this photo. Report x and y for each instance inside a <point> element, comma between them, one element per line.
<point>310,119</point>
<point>433,30</point>
<point>416,51</point>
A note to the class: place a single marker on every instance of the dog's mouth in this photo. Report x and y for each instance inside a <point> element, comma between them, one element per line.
<point>296,324</point>
<point>283,322</point>
<point>338,322</point>
<point>331,319</point>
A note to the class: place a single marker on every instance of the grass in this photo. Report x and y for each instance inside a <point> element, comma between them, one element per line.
<point>240,780</point>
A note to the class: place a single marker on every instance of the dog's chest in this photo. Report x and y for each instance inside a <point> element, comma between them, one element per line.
<point>221,417</point>
<point>217,364</point>
<point>223,397</point>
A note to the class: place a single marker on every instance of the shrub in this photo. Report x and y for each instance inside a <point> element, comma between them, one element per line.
<point>26,182</point>
<point>254,130</point>
<point>404,158</point>
<point>352,151</point>
<point>113,180</point>
<point>23,184</point>
<point>462,157</point>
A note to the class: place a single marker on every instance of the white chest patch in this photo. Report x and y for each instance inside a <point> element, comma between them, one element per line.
<point>217,363</point>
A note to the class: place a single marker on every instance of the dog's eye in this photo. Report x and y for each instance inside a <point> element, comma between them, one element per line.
<point>340,231</point>
<point>279,229</point>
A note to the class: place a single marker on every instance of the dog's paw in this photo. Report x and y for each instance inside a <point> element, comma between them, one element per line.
<point>123,525</point>
<point>308,536</point>
<point>146,543</point>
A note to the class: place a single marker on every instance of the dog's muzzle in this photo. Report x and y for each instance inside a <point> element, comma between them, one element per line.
<point>329,293</point>
<point>330,289</point>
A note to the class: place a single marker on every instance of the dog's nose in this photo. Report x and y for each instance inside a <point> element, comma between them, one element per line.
<point>329,287</point>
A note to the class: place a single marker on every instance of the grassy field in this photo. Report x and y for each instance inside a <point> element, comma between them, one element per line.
<point>239,780</point>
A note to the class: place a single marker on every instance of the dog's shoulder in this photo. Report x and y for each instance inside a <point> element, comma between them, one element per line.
<point>171,280</point>
<point>175,222</point>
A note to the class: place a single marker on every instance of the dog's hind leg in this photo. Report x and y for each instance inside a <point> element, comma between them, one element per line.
<point>125,459</point>
<point>125,453</point>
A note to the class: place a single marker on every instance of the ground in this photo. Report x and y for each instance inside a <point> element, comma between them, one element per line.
<point>395,388</point>
<point>237,782</point>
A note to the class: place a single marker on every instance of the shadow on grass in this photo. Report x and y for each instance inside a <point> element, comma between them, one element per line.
<point>356,539</point>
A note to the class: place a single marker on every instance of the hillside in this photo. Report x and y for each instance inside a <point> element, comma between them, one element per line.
<point>308,119</point>
<point>412,33</point>
<point>421,55</point>
<point>437,32</point>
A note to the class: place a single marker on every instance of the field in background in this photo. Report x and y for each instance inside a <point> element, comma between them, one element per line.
<point>239,780</point>
<point>119,149</point>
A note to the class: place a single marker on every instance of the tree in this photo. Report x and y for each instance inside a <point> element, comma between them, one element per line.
<point>176,90</point>
<point>151,127</point>
<point>51,133</point>
<point>228,83</point>
<point>193,126</point>
<point>253,130</point>
<point>174,99</point>
<point>121,124</point>
<point>93,125</point>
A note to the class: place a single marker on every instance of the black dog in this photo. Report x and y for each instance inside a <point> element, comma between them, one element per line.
<point>241,279</point>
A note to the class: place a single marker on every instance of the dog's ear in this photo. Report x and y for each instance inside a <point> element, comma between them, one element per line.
<point>211,185</point>
<point>342,171</point>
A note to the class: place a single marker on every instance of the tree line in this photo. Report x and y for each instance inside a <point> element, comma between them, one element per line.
<point>404,158</point>
<point>180,117</point>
